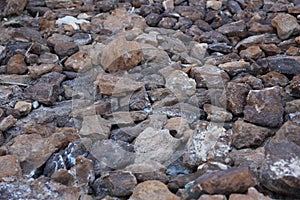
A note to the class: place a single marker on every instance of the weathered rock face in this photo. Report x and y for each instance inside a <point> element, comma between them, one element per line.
<point>280,169</point>
<point>121,55</point>
<point>286,25</point>
<point>12,7</point>
<point>264,107</point>
<point>152,190</point>
<point>285,65</point>
<point>224,182</point>
<point>248,135</point>
<point>78,62</point>
<point>9,166</point>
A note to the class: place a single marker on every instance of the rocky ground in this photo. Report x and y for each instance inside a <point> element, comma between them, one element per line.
<point>150,99</point>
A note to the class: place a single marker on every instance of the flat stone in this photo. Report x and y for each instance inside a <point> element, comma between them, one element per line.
<point>284,65</point>
<point>217,114</point>
<point>274,78</point>
<point>38,70</point>
<point>233,29</point>
<point>181,85</point>
<point>16,65</point>
<point>294,87</point>
<point>234,180</point>
<point>120,183</point>
<point>215,5</point>
<point>82,38</point>
<point>48,58</point>
<point>177,126</point>
<point>152,190</point>
<point>23,107</point>
<point>270,49</point>
<point>252,52</point>
<point>191,12</point>
<point>254,82</point>
<point>121,55</point>
<point>280,171</point>
<point>199,50</point>
<point>235,67</point>
<point>65,49</point>
<point>209,76</point>
<point>126,118</point>
<point>58,38</point>
<point>264,107</point>
<point>249,135</point>
<point>220,47</point>
<point>252,194</point>
<point>9,166</point>
<point>12,7</point>
<point>257,39</point>
<point>78,62</point>
<point>286,25</point>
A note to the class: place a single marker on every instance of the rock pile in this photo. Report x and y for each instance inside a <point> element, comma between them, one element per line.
<point>149,99</point>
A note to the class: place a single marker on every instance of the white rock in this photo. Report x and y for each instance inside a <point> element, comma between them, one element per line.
<point>69,20</point>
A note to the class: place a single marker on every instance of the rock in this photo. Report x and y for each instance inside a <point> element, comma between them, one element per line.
<point>292,106</point>
<point>252,194</point>
<point>256,40</point>
<point>152,190</point>
<point>12,7</point>
<point>95,127</point>
<point>191,12</point>
<point>270,49</point>
<point>117,86</point>
<point>82,38</point>
<point>177,126</point>
<point>58,38</point>
<point>47,89</point>
<point>157,145</point>
<point>7,123</point>
<point>9,166</point>
<point>252,52</point>
<point>153,19</point>
<point>48,58</point>
<point>168,5</point>
<point>249,135</point>
<point>284,65</point>
<point>286,25</point>
<point>119,183</point>
<point>79,62</point>
<point>36,71</point>
<point>198,50</point>
<point>274,78</point>
<point>181,85</point>
<point>220,47</point>
<point>139,100</point>
<point>293,88</point>
<point>209,76</point>
<point>69,20</point>
<point>287,132</point>
<point>279,172</point>
<point>215,5</point>
<point>121,55</point>
<point>233,29</point>
<point>210,142</point>
<point>217,114</point>
<point>233,180</point>
<point>235,67</point>
<point>126,118</point>
<point>64,177</point>
<point>264,107</point>
<point>167,22</point>
<point>254,82</point>
<point>252,158</point>
<point>150,170</point>
<point>212,197</point>
<point>16,65</point>
<point>23,107</point>
<point>65,49</point>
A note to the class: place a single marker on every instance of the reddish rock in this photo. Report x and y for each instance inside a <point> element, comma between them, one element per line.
<point>48,58</point>
<point>252,194</point>
<point>64,177</point>
<point>252,52</point>
<point>16,65</point>
<point>78,62</point>
<point>177,125</point>
<point>191,12</point>
<point>95,127</point>
<point>270,49</point>
<point>152,190</point>
<point>280,171</point>
<point>292,106</point>
<point>12,7</point>
<point>286,25</point>
<point>274,78</point>
<point>121,55</point>
<point>234,180</point>
<point>9,166</point>
<point>235,67</point>
<point>233,29</point>
<point>249,135</point>
<point>254,82</point>
<point>289,131</point>
<point>119,183</point>
<point>264,107</point>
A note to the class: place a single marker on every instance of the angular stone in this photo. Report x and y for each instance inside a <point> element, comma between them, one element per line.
<point>252,52</point>
<point>9,166</point>
<point>233,180</point>
<point>167,22</point>
<point>181,85</point>
<point>292,106</point>
<point>177,126</point>
<point>280,171</point>
<point>264,107</point>
<point>117,86</point>
<point>72,21</point>
<point>252,194</point>
<point>286,25</point>
<point>65,49</point>
<point>36,71</point>
<point>126,118</point>
<point>78,62</point>
<point>16,65</point>
<point>120,183</point>
<point>191,12</point>
<point>270,49</point>
<point>249,135</point>
<point>48,58</point>
<point>152,190</point>
<point>287,132</point>
<point>257,39</point>
<point>12,7</point>
<point>157,145</point>
<point>210,142</point>
<point>209,76</point>
<point>284,65</point>
<point>7,123</point>
<point>274,78</point>
<point>233,29</point>
<point>149,170</point>
<point>121,55</point>
<point>82,38</point>
<point>58,38</point>
<point>64,177</point>
<point>217,114</point>
<point>294,87</point>
<point>212,197</point>
<point>235,67</point>
<point>198,50</point>
<point>23,107</point>
<point>220,47</point>
<point>215,5</point>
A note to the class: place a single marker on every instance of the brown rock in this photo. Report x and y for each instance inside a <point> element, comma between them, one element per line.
<point>7,123</point>
<point>287,132</point>
<point>217,114</point>
<point>270,49</point>
<point>280,171</point>
<point>252,194</point>
<point>36,71</point>
<point>9,166</point>
<point>264,107</point>
<point>152,190</point>
<point>191,12</point>
<point>78,62</point>
<point>23,107</point>
<point>274,78</point>
<point>286,25</point>
<point>64,49</point>
<point>95,127</point>
<point>235,67</point>
<point>256,27</point>
<point>64,177</point>
<point>224,182</point>
<point>294,87</point>
<point>292,106</point>
<point>252,52</point>
<point>121,55</point>
<point>48,58</point>
<point>248,135</point>
<point>120,183</point>
<point>16,65</point>
<point>177,126</point>
<point>12,7</point>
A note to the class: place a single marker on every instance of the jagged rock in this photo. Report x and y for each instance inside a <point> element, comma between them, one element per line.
<point>7,123</point>
<point>36,71</point>
<point>12,7</point>
<point>217,114</point>
<point>286,25</point>
<point>23,107</point>
<point>235,67</point>
<point>9,166</point>
<point>274,78</point>
<point>16,65</point>
<point>79,61</point>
